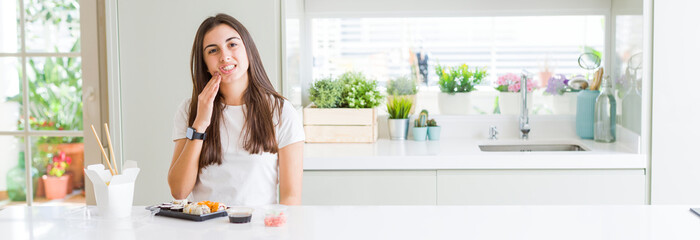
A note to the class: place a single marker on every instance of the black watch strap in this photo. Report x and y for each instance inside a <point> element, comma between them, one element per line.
<point>192,134</point>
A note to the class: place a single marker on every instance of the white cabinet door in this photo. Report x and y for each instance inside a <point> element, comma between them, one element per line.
<point>520,187</point>
<point>369,188</point>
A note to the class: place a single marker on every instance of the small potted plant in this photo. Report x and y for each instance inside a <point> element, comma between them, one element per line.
<point>343,110</point>
<point>433,130</point>
<point>563,96</point>
<point>420,128</point>
<point>398,109</point>
<point>326,93</point>
<point>402,87</point>
<point>456,83</point>
<point>359,91</point>
<point>509,98</point>
<point>55,180</point>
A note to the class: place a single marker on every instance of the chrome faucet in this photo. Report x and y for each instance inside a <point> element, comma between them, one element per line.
<point>524,118</point>
<point>493,133</point>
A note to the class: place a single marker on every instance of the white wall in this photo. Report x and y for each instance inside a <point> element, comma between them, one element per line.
<point>675,171</point>
<point>155,40</point>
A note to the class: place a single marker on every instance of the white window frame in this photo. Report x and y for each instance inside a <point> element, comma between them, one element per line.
<point>90,78</point>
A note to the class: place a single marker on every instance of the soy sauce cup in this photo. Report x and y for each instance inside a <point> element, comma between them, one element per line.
<point>240,214</point>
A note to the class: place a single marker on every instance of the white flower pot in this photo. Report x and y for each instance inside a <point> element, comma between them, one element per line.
<point>454,104</point>
<point>564,104</point>
<point>510,102</point>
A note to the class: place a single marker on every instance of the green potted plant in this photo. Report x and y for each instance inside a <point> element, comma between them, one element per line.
<point>420,127</point>
<point>456,83</point>
<point>359,91</point>
<point>399,109</point>
<point>326,93</point>
<point>404,87</point>
<point>55,180</point>
<point>343,109</point>
<point>433,130</point>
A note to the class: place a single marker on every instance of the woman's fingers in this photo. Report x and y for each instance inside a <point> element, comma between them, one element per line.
<point>210,83</point>
<point>211,89</point>
<point>214,88</point>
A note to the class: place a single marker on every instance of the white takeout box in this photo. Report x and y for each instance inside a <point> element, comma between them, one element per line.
<point>113,200</point>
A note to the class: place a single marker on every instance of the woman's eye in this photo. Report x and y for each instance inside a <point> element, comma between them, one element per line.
<point>232,44</point>
<point>211,51</point>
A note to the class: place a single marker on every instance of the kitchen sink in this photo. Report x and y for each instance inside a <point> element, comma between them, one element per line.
<point>532,148</point>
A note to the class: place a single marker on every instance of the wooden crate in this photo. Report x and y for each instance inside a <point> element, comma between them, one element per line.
<point>340,125</point>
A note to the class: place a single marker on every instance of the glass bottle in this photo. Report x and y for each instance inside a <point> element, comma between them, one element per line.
<point>16,183</point>
<point>605,113</point>
<point>631,115</point>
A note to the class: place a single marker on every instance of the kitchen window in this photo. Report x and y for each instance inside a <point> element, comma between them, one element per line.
<point>381,48</point>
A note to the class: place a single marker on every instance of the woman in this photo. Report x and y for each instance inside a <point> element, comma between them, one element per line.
<point>236,138</point>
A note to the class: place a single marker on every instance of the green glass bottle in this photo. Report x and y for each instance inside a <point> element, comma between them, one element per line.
<point>16,180</point>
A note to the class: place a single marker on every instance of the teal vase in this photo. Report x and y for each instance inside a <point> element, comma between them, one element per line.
<point>585,108</point>
<point>16,181</point>
<point>434,133</point>
<point>420,133</point>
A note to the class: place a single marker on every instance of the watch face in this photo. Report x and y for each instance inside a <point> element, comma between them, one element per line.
<point>190,132</point>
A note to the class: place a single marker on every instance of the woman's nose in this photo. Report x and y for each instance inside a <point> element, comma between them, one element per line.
<point>226,55</point>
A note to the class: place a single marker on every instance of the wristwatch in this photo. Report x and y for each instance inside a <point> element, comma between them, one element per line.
<point>192,134</point>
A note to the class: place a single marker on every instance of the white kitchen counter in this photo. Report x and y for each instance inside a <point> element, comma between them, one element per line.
<point>465,154</point>
<point>368,222</point>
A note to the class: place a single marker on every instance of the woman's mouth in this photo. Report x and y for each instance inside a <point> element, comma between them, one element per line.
<point>227,69</point>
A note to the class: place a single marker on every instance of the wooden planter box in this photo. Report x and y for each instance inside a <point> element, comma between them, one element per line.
<point>340,125</point>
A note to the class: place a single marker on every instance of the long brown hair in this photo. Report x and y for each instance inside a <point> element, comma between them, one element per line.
<point>260,98</point>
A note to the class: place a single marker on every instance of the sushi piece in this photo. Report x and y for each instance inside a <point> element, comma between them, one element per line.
<point>189,208</point>
<point>196,209</point>
<point>201,210</point>
<point>213,206</point>
<point>222,207</point>
<point>176,208</point>
<point>181,202</point>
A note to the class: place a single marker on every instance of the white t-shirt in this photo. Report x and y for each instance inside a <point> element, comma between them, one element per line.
<point>242,178</point>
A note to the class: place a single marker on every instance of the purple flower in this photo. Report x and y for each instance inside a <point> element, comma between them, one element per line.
<point>557,84</point>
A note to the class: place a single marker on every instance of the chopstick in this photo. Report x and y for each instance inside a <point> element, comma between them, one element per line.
<point>111,150</point>
<point>102,149</point>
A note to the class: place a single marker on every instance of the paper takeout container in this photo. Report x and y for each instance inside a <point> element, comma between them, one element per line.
<point>114,194</point>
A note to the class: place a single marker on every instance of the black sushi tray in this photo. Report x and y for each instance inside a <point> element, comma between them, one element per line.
<point>181,215</point>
